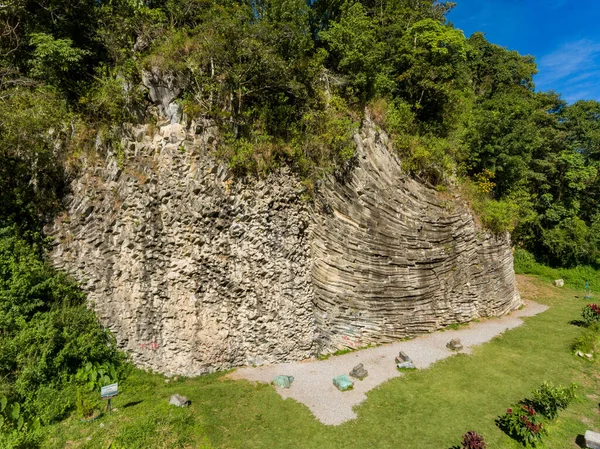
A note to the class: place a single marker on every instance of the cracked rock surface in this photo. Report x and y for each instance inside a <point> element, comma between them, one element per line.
<point>194,270</point>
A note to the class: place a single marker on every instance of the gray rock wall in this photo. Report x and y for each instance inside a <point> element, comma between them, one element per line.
<point>194,270</point>
<point>392,258</point>
<point>191,270</point>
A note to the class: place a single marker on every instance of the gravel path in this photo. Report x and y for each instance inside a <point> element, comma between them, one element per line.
<point>313,384</point>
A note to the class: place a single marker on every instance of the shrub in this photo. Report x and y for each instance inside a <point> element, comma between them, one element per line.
<point>86,404</point>
<point>589,342</point>
<point>472,440</point>
<point>591,313</point>
<point>523,424</point>
<point>48,333</point>
<point>548,400</point>
<point>17,429</point>
<point>525,263</point>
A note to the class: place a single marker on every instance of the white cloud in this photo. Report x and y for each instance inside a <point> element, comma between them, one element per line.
<point>572,58</point>
<point>575,66</point>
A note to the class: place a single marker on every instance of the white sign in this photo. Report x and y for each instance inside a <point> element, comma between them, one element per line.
<point>109,391</point>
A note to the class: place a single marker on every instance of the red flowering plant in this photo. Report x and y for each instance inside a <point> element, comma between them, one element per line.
<point>591,313</point>
<point>472,440</point>
<point>523,424</point>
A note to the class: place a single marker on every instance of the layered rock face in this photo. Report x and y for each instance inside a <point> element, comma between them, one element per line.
<point>392,258</point>
<point>191,270</point>
<point>195,270</point>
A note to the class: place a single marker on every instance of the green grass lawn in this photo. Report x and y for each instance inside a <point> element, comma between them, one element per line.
<point>429,408</point>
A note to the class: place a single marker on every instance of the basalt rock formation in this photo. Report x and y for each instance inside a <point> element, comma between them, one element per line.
<point>195,270</point>
<point>392,258</point>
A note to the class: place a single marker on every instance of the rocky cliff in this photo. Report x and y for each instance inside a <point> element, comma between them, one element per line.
<point>195,270</point>
<point>392,258</point>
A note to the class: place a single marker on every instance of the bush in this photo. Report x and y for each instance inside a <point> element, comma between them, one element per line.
<point>86,404</point>
<point>472,440</point>
<point>591,314</point>
<point>48,333</point>
<point>17,429</point>
<point>523,424</point>
<point>589,342</point>
<point>525,263</point>
<point>549,400</point>
<point>499,216</point>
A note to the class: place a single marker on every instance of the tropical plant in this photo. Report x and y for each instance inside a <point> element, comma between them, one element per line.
<point>472,440</point>
<point>591,313</point>
<point>522,423</point>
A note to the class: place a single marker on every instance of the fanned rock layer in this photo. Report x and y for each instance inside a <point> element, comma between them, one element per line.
<point>392,258</point>
<point>194,270</point>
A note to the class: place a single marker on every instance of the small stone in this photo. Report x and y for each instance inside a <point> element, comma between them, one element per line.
<point>283,381</point>
<point>454,345</point>
<point>592,439</point>
<point>406,365</point>
<point>359,372</point>
<point>179,401</point>
<point>559,283</point>
<point>101,424</point>
<point>343,382</point>
<point>579,353</point>
<point>176,378</point>
<point>403,357</point>
<point>589,356</point>
<point>167,381</point>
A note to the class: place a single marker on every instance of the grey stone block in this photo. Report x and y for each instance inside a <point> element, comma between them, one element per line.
<point>592,439</point>
<point>359,372</point>
<point>179,401</point>
<point>283,381</point>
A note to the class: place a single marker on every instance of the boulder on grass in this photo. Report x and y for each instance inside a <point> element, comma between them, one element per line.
<point>592,439</point>
<point>179,401</point>
<point>343,382</point>
<point>559,283</point>
<point>283,381</point>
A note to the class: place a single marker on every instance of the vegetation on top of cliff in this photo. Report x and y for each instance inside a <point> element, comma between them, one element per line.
<point>287,81</point>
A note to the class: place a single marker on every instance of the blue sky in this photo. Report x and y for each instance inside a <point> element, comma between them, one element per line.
<point>563,35</point>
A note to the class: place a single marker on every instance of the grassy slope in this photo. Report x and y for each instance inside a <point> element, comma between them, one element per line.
<point>425,409</point>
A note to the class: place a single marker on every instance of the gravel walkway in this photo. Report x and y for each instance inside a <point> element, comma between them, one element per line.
<point>313,384</point>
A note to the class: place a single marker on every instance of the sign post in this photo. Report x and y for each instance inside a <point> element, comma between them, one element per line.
<point>588,292</point>
<point>109,392</point>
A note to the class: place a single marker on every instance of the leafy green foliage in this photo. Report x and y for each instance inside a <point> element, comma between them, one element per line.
<point>52,59</point>
<point>549,400</point>
<point>525,263</point>
<point>94,376</point>
<point>522,421</point>
<point>591,313</point>
<point>48,333</point>
<point>589,341</point>
<point>33,135</point>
